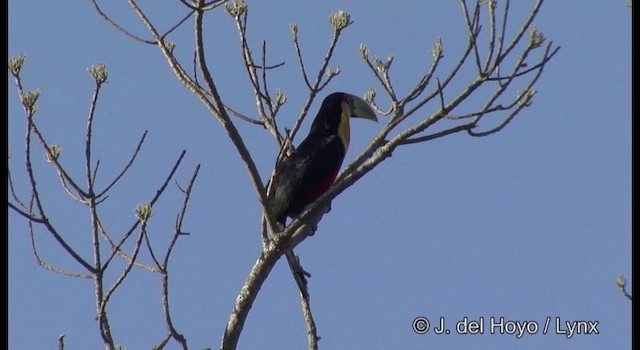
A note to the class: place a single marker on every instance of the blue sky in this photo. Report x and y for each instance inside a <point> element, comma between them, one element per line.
<point>530,223</point>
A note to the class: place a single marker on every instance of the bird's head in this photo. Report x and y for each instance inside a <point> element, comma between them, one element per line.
<point>335,112</point>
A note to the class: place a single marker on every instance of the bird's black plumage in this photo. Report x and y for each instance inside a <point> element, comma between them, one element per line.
<point>312,168</point>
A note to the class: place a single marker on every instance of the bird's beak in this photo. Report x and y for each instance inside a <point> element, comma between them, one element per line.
<point>361,109</point>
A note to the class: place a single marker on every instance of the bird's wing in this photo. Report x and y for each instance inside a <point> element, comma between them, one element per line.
<point>306,174</point>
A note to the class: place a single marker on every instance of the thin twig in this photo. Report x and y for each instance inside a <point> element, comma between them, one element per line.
<point>242,116</point>
<point>38,202</point>
<point>184,19</point>
<point>125,271</point>
<point>296,44</point>
<point>150,249</point>
<point>126,167</point>
<point>136,249</point>
<point>424,81</point>
<point>118,27</point>
<point>626,294</point>
<point>502,86</point>
<point>503,31</point>
<point>178,227</point>
<point>492,36</point>
<point>45,264</point>
<point>443,133</point>
<point>61,342</point>
<point>164,270</point>
<point>164,340</point>
<point>26,214</point>
<point>523,29</point>
<point>118,249</point>
<point>155,198</point>
<point>473,27</point>
<point>14,195</point>
<point>88,137</point>
<point>267,97</point>
<point>65,178</point>
<point>548,56</point>
<point>31,127</point>
<point>261,94</point>
<point>317,85</point>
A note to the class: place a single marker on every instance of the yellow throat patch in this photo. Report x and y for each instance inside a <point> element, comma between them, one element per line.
<point>343,129</point>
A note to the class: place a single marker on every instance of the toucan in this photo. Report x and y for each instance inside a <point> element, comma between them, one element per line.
<point>311,169</point>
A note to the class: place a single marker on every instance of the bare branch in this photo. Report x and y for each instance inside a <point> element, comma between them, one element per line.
<point>173,333</point>
<point>317,85</point>
<point>94,175</point>
<point>261,94</point>
<point>179,220</point>
<point>61,342</point>
<point>65,178</point>
<point>399,117</point>
<point>296,44</point>
<point>380,70</point>
<point>547,57</point>
<point>500,126</point>
<point>242,116</point>
<point>31,127</point>
<point>312,331</point>
<point>273,250</point>
<point>217,107</point>
<point>426,78</point>
<point>524,99</point>
<point>241,24</point>
<point>14,195</point>
<point>166,338</point>
<point>126,167</point>
<point>264,78</point>
<point>299,274</point>
<point>492,34</point>
<point>259,273</point>
<point>138,244</point>
<point>224,119</point>
<point>463,127</point>
<point>184,19</point>
<point>36,199</point>
<point>45,264</point>
<point>155,198</point>
<point>523,29</point>
<point>87,143</point>
<point>150,249</point>
<point>118,249</point>
<point>503,31</point>
<point>118,27</point>
<point>621,283</point>
<point>473,26</point>
<point>25,214</point>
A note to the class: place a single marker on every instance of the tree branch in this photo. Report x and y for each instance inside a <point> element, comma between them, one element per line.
<point>126,167</point>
